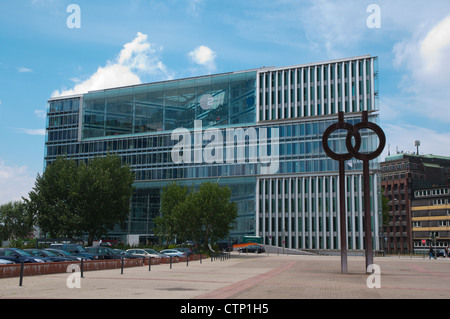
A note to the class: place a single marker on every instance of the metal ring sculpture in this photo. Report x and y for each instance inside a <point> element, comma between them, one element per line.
<point>353,151</point>
<point>353,131</point>
<point>377,130</point>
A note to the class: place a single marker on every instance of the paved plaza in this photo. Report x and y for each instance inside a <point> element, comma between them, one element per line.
<point>264,276</point>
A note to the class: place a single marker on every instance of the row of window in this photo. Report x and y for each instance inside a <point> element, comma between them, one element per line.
<point>441,201</point>
<point>439,223</point>
<point>432,192</point>
<point>64,105</point>
<point>426,245</point>
<point>306,224</point>
<point>399,166</point>
<point>59,120</point>
<point>317,90</point>
<point>62,135</point>
<point>317,194</point>
<point>216,100</point>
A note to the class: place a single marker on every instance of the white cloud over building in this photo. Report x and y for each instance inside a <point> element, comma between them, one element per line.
<point>138,58</point>
<point>204,57</point>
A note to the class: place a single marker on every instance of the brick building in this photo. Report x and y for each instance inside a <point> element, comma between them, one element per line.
<point>401,175</point>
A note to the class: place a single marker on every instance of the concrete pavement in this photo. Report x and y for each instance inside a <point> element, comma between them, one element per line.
<point>264,276</point>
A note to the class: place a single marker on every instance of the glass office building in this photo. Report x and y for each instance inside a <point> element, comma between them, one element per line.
<point>257,131</point>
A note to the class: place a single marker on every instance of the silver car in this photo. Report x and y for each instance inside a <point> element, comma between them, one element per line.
<point>173,253</point>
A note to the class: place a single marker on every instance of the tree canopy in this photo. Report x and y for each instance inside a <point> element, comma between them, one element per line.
<point>15,221</point>
<point>205,215</point>
<point>70,199</point>
<point>172,197</point>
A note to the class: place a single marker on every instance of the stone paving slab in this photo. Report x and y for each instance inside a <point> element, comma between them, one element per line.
<point>248,277</point>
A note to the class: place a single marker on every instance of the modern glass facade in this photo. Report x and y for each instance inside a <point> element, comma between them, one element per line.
<point>227,99</point>
<point>257,131</point>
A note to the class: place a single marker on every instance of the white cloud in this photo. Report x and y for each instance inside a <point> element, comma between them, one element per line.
<point>140,55</point>
<point>194,6</point>
<point>30,131</point>
<point>427,77</point>
<point>435,49</point>
<point>105,77</point>
<point>24,70</point>
<point>334,26</point>
<point>137,59</point>
<point>40,113</point>
<point>204,56</point>
<point>15,182</point>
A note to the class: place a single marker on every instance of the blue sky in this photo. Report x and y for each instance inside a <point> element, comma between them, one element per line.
<point>138,41</point>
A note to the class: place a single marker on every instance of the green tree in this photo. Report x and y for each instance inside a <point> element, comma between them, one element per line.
<point>215,211</point>
<point>172,196</point>
<point>205,215</point>
<point>69,200</point>
<point>105,187</point>
<point>15,221</point>
<point>187,219</point>
<point>53,199</point>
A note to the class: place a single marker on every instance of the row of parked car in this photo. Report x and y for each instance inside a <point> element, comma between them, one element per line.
<point>71,252</point>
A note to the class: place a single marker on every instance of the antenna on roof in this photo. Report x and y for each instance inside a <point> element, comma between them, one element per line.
<point>417,144</point>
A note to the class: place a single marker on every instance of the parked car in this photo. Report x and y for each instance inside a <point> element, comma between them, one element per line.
<point>225,245</point>
<point>252,249</point>
<point>440,253</point>
<point>190,243</point>
<point>186,250</point>
<point>173,253</point>
<point>108,242</point>
<point>64,253</point>
<point>103,252</point>
<point>6,262</point>
<point>125,254</point>
<point>47,254</point>
<point>18,256</point>
<point>75,249</point>
<point>146,252</point>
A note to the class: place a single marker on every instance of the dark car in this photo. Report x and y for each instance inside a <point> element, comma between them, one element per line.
<point>64,253</point>
<point>47,254</point>
<point>75,249</point>
<point>440,253</point>
<point>125,254</point>
<point>252,249</point>
<point>225,245</point>
<point>18,256</point>
<point>103,252</point>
